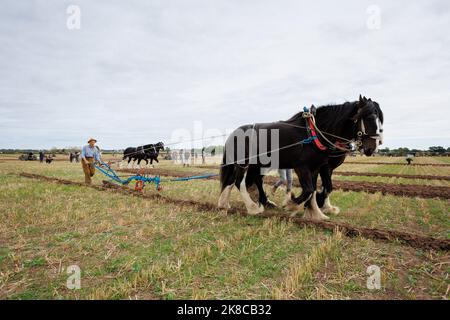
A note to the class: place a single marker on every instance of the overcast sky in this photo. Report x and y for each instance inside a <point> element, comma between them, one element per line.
<point>142,71</point>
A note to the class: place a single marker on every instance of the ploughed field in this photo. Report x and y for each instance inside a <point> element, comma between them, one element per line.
<point>130,247</point>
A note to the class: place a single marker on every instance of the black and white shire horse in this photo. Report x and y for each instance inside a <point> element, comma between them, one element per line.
<point>146,152</point>
<point>311,145</point>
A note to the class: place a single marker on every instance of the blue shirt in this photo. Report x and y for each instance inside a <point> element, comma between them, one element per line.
<point>90,152</point>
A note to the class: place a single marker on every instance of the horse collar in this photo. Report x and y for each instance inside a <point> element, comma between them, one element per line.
<point>313,135</point>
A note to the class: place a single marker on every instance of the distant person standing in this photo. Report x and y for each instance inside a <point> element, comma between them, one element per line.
<point>182,157</point>
<point>89,155</point>
<point>285,179</point>
<point>41,156</point>
<point>174,156</point>
<point>187,155</point>
<point>203,155</point>
<point>77,156</point>
<point>71,157</point>
<point>409,158</point>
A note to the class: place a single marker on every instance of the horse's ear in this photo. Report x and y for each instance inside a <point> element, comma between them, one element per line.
<point>362,101</point>
<point>313,110</point>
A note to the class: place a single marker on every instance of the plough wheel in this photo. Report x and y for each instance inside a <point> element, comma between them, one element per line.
<point>139,186</point>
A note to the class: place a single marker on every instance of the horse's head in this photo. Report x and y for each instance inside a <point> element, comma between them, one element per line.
<point>160,146</point>
<point>369,120</point>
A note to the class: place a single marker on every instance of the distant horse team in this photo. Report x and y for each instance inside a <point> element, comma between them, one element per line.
<point>145,152</point>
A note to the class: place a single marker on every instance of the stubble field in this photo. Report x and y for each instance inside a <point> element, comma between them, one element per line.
<point>136,248</point>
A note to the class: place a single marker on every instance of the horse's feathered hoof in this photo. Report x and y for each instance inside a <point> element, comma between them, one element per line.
<point>331,210</point>
<point>255,210</point>
<point>316,215</point>
<point>292,206</point>
<point>271,204</point>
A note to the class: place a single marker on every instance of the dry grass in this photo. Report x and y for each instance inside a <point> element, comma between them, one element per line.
<point>132,248</point>
<point>302,269</point>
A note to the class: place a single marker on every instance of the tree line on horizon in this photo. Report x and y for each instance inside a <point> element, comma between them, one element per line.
<point>399,152</point>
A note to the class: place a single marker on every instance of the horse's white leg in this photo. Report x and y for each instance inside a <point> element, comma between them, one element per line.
<point>314,213</point>
<point>252,207</point>
<point>293,207</point>
<point>224,199</point>
<point>287,198</point>
<point>328,208</point>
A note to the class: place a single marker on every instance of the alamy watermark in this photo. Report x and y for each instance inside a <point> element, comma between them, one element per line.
<point>243,146</point>
<point>73,21</point>
<point>373,21</point>
<point>74,280</point>
<point>374,279</point>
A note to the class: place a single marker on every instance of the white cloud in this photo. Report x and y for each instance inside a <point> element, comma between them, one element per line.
<point>138,70</point>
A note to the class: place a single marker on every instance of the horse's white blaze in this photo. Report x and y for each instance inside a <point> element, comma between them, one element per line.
<point>252,207</point>
<point>379,134</point>
<point>328,208</point>
<point>224,199</point>
<point>363,127</point>
<point>314,212</point>
<point>380,131</point>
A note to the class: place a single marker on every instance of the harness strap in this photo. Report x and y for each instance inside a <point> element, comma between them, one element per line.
<point>314,135</point>
<point>312,130</point>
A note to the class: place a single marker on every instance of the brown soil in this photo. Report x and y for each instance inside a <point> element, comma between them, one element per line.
<point>407,190</point>
<point>369,174</point>
<point>414,240</point>
<point>401,164</point>
<point>391,175</point>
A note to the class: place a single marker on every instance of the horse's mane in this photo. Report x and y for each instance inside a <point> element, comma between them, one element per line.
<point>332,115</point>
<point>339,111</point>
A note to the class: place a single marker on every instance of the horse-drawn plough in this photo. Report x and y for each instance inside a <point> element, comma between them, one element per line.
<point>141,179</point>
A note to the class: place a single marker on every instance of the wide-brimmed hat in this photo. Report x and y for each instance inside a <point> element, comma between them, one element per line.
<point>92,139</point>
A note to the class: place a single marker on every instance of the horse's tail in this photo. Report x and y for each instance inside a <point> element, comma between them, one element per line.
<point>226,170</point>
